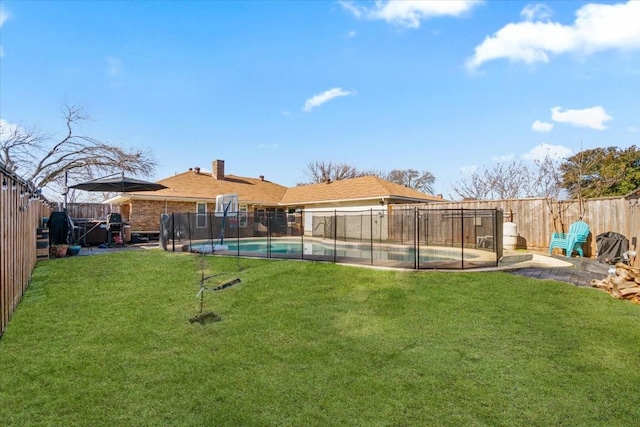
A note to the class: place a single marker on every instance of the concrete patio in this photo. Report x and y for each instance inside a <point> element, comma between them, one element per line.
<point>576,270</point>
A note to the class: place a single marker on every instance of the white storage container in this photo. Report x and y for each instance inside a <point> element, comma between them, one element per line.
<point>509,236</point>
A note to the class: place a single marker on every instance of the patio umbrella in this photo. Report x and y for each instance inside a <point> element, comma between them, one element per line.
<point>119,183</point>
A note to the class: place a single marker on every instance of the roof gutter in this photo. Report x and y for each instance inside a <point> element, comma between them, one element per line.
<point>123,198</point>
<point>376,198</point>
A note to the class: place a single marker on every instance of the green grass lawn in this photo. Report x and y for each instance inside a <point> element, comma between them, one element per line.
<point>106,340</point>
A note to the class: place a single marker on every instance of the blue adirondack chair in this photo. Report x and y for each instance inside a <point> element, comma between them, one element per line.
<point>571,241</point>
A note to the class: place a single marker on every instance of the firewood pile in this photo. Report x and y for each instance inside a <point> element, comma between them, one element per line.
<point>623,284</point>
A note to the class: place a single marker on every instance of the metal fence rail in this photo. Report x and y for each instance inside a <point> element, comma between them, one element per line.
<point>414,238</point>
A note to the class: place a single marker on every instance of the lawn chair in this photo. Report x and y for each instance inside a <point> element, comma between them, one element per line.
<point>571,241</point>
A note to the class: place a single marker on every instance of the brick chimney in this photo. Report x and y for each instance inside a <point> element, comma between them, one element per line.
<point>217,167</point>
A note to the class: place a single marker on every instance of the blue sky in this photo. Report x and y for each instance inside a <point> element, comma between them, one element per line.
<point>271,86</point>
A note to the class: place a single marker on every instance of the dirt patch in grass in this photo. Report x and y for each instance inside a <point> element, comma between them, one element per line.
<point>204,318</point>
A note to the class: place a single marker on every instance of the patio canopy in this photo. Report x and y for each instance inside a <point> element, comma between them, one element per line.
<point>118,183</point>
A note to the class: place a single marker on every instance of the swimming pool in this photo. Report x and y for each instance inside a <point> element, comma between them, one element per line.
<point>299,249</point>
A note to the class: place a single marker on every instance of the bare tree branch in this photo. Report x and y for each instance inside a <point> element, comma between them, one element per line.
<point>421,181</point>
<point>512,180</point>
<point>43,160</point>
<point>475,187</point>
<point>321,171</point>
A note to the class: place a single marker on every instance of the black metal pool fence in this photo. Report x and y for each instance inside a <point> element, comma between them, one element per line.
<point>412,238</point>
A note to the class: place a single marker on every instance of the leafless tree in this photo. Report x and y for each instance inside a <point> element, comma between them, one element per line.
<point>550,175</point>
<point>510,180</point>
<point>545,178</point>
<point>507,180</point>
<point>321,171</point>
<point>546,181</point>
<point>42,159</point>
<point>542,178</point>
<point>499,181</point>
<point>474,187</point>
<point>421,181</point>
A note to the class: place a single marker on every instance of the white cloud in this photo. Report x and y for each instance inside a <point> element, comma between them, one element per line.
<point>318,100</point>
<point>7,129</point>
<point>536,11</point>
<point>539,126</point>
<point>502,158</point>
<point>596,27</point>
<point>632,129</point>
<point>267,145</point>
<point>351,33</point>
<point>593,117</point>
<point>4,15</point>
<point>542,151</point>
<point>410,13</point>
<point>350,7</point>
<point>114,66</point>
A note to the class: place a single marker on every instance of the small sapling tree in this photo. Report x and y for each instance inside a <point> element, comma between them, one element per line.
<point>208,317</point>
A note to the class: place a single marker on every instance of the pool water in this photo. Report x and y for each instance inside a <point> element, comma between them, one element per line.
<point>322,250</point>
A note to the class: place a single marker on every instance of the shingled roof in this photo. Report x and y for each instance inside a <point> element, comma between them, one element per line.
<point>363,188</point>
<point>203,186</point>
<point>199,185</point>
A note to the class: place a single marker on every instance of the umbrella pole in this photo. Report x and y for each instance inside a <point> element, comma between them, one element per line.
<point>66,189</point>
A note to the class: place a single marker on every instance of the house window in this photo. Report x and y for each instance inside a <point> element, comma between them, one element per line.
<point>261,216</point>
<point>201,215</point>
<point>281,216</point>
<point>242,216</point>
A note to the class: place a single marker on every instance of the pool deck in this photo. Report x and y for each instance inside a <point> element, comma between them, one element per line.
<point>576,270</point>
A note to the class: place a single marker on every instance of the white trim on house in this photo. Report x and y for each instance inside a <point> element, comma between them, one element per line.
<point>201,217</point>
<point>384,199</point>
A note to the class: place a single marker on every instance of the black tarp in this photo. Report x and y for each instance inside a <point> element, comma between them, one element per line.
<point>60,228</point>
<point>165,234</point>
<point>611,246</point>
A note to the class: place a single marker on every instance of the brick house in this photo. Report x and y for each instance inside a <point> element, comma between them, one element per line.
<point>196,191</point>
<point>355,195</point>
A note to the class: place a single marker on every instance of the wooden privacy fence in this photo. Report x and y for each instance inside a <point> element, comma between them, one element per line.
<point>91,210</point>
<point>535,221</point>
<point>21,214</point>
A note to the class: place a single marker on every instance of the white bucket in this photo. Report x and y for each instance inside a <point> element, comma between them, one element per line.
<point>509,236</point>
